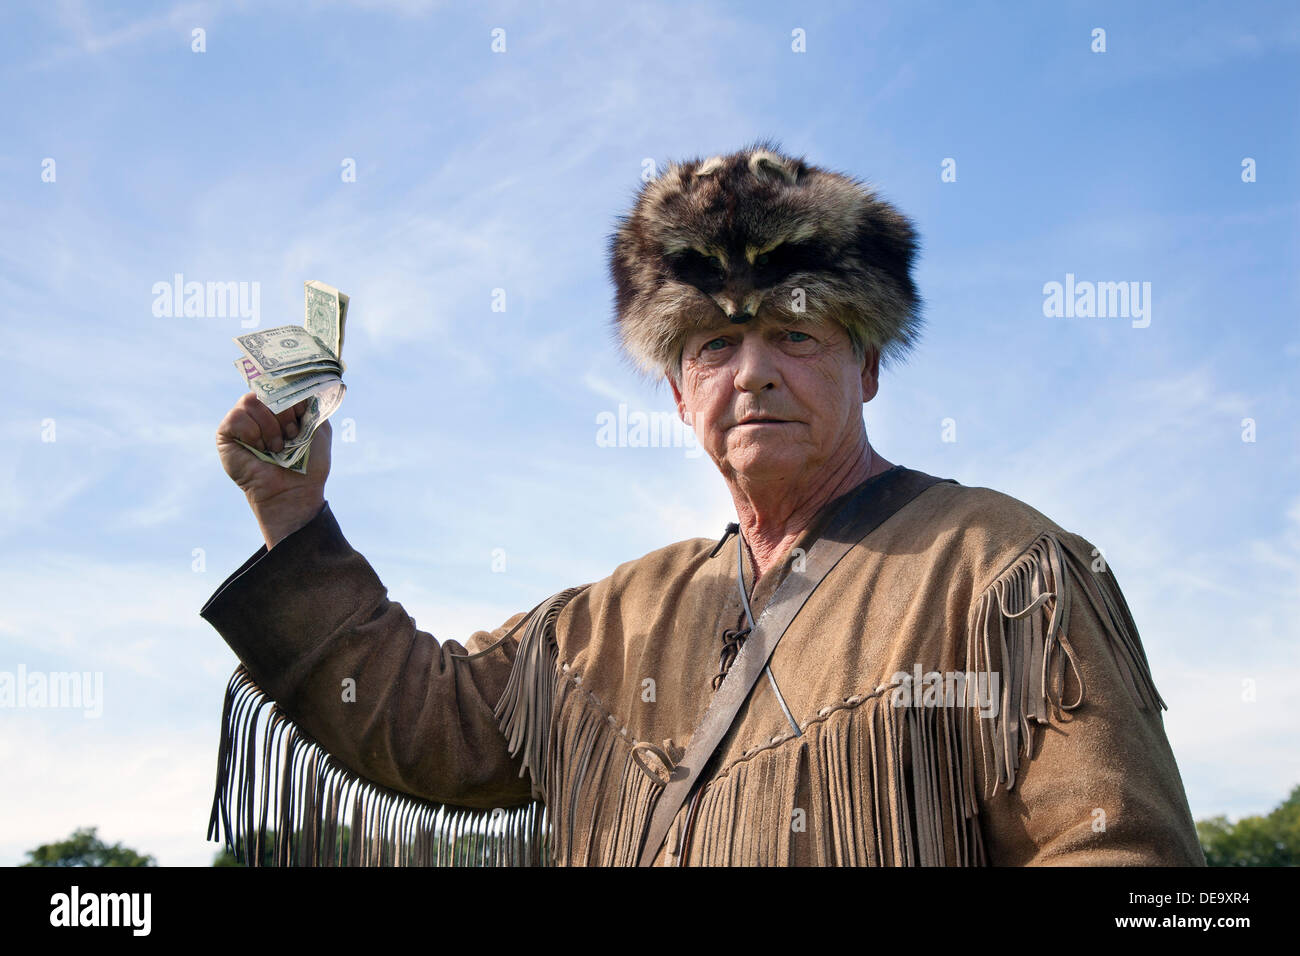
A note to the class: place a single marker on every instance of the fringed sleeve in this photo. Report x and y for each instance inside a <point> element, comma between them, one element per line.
<point>356,738</point>
<point>1074,768</point>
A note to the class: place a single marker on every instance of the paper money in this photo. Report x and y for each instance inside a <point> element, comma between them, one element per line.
<point>286,349</point>
<point>278,393</point>
<point>325,313</point>
<point>286,365</point>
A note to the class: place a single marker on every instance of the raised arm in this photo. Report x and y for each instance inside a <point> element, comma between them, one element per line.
<point>342,713</point>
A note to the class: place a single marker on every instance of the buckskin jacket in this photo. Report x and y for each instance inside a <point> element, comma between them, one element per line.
<point>361,739</point>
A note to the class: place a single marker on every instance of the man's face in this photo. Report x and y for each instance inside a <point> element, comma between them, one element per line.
<point>803,376</point>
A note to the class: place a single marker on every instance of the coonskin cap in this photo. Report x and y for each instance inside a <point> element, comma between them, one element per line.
<point>731,237</point>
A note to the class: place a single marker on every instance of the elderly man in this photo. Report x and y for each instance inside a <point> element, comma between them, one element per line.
<point>871,667</point>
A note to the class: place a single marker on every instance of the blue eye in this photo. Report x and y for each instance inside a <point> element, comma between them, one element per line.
<point>711,342</point>
<point>804,334</point>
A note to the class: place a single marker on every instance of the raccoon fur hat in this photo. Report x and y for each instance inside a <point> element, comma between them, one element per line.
<point>753,232</point>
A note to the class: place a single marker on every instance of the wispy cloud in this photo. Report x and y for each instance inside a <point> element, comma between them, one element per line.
<point>90,30</point>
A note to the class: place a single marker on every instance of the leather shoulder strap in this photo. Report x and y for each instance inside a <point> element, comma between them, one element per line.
<point>876,500</point>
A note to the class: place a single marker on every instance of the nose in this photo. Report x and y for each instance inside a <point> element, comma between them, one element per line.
<point>756,370</point>
<point>740,315</point>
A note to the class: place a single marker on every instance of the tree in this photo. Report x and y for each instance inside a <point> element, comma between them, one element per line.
<point>1272,840</point>
<point>83,848</point>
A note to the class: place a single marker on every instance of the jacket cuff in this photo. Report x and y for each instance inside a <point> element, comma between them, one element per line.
<point>283,602</point>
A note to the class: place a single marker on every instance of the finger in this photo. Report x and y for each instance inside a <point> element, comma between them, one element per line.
<point>241,425</point>
<point>268,423</point>
<point>320,449</point>
<point>247,400</point>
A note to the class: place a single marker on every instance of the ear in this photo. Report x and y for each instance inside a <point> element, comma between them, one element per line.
<point>677,397</point>
<point>870,374</point>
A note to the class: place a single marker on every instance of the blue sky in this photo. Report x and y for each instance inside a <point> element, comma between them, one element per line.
<point>476,429</point>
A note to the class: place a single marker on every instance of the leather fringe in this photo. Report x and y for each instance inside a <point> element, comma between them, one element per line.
<point>583,765</point>
<point>867,764</point>
<point>1008,637</point>
<point>322,814</point>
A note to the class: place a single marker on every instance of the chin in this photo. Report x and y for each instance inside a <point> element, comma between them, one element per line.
<point>766,467</point>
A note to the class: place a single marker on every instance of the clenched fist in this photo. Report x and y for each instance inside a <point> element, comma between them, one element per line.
<point>282,500</point>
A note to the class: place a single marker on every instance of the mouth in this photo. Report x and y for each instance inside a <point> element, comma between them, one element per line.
<point>762,421</point>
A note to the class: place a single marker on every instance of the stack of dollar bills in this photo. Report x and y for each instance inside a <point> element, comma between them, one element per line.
<point>285,365</point>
